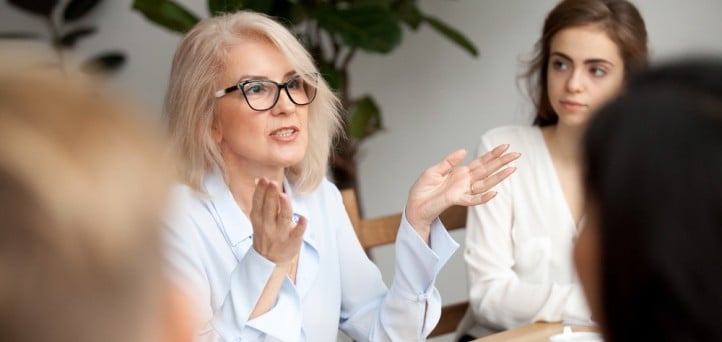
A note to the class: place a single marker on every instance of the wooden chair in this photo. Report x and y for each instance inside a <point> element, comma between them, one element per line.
<point>379,231</point>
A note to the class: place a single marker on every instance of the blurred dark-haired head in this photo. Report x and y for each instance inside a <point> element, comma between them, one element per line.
<point>654,185</point>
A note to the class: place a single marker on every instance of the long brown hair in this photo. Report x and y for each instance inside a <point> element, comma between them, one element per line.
<point>620,19</point>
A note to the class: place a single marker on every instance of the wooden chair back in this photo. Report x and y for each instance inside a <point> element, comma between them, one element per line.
<point>374,232</point>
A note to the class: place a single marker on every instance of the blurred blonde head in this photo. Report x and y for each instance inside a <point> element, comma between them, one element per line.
<point>82,186</point>
<point>196,73</point>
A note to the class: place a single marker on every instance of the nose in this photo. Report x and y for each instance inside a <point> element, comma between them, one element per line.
<point>284,105</point>
<point>575,82</point>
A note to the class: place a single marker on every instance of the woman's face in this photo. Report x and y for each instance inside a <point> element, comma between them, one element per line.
<point>585,71</point>
<point>266,140</point>
<point>588,262</point>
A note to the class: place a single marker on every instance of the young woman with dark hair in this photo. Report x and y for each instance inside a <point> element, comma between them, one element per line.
<point>518,247</point>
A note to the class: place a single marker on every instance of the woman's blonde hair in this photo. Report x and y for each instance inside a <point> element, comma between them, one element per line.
<point>83,185</point>
<point>196,73</point>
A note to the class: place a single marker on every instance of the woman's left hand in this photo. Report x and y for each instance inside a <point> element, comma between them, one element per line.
<point>446,184</point>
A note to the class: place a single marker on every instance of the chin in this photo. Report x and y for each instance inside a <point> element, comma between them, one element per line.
<point>575,120</point>
<point>289,161</point>
<point>290,155</point>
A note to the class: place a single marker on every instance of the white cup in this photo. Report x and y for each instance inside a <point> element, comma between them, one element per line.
<point>580,336</point>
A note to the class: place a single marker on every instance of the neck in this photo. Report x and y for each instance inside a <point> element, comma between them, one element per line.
<point>242,182</point>
<point>565,142</point>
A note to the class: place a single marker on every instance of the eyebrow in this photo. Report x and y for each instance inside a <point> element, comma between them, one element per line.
<point>586,61</point>
<point>259,77</point>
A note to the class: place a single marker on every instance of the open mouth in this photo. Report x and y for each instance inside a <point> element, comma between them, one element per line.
<point>284,132</point>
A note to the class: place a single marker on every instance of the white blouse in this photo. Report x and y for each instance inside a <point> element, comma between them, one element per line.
<point>337,287</point>
<point>519,245</point>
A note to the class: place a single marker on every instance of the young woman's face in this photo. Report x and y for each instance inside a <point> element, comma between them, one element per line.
<point>269,139</point>
<point>585,71</point>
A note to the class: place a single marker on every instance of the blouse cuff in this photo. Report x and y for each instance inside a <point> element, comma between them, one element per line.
<point>287,309</point>
<point>417,264</point>
<point>441,243</point>
<point>250,278</point>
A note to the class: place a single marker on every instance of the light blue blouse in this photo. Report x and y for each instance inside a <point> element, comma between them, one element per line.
<point>337,287</point>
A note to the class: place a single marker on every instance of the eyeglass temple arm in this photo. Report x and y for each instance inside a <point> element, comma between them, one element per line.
<point>223,92</point>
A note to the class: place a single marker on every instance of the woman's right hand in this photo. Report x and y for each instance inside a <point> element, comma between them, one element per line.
<point>275,235</point>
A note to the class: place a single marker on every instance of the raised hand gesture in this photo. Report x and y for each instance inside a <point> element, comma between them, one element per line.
<point>275,234</point>
<point>448,183</point>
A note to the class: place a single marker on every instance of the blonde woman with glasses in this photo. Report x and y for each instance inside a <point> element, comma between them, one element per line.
<point>260,236</point>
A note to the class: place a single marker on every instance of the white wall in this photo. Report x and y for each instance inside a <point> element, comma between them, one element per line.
<point>435,98</point>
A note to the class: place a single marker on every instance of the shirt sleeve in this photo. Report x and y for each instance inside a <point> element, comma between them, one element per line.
<point>411,308</point>
<point>498,297</point>
<point>191,265</point>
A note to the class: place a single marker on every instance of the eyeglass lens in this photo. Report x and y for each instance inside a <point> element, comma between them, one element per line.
<point>263,94</point>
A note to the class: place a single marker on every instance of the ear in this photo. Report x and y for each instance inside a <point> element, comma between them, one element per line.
<point>216,130</point>
<point>179,321</point>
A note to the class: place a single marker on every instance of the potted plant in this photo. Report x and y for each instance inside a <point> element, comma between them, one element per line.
<point>333,31</point>
<point>65,30</point>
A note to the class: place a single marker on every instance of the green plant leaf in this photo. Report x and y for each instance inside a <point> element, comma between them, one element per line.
<point>104,63</point>
<point>287,11</point>
<point>407,12</point>
<point>69,39</point>
<point>277,8</point>
<point>294,12</point>
<point>365,118</point>
<point>331,75</point>
<point>167,13</point>
<point>261,6</point>
<point>369,28</point>
<point>453,35</point>
<point>39,7</point>
<point>216,7</point>
<point>361,3</point>
<point>19,35</point>
<point>77,9</point>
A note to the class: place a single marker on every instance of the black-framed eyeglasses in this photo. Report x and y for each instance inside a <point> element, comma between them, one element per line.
<point>262,95</point>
